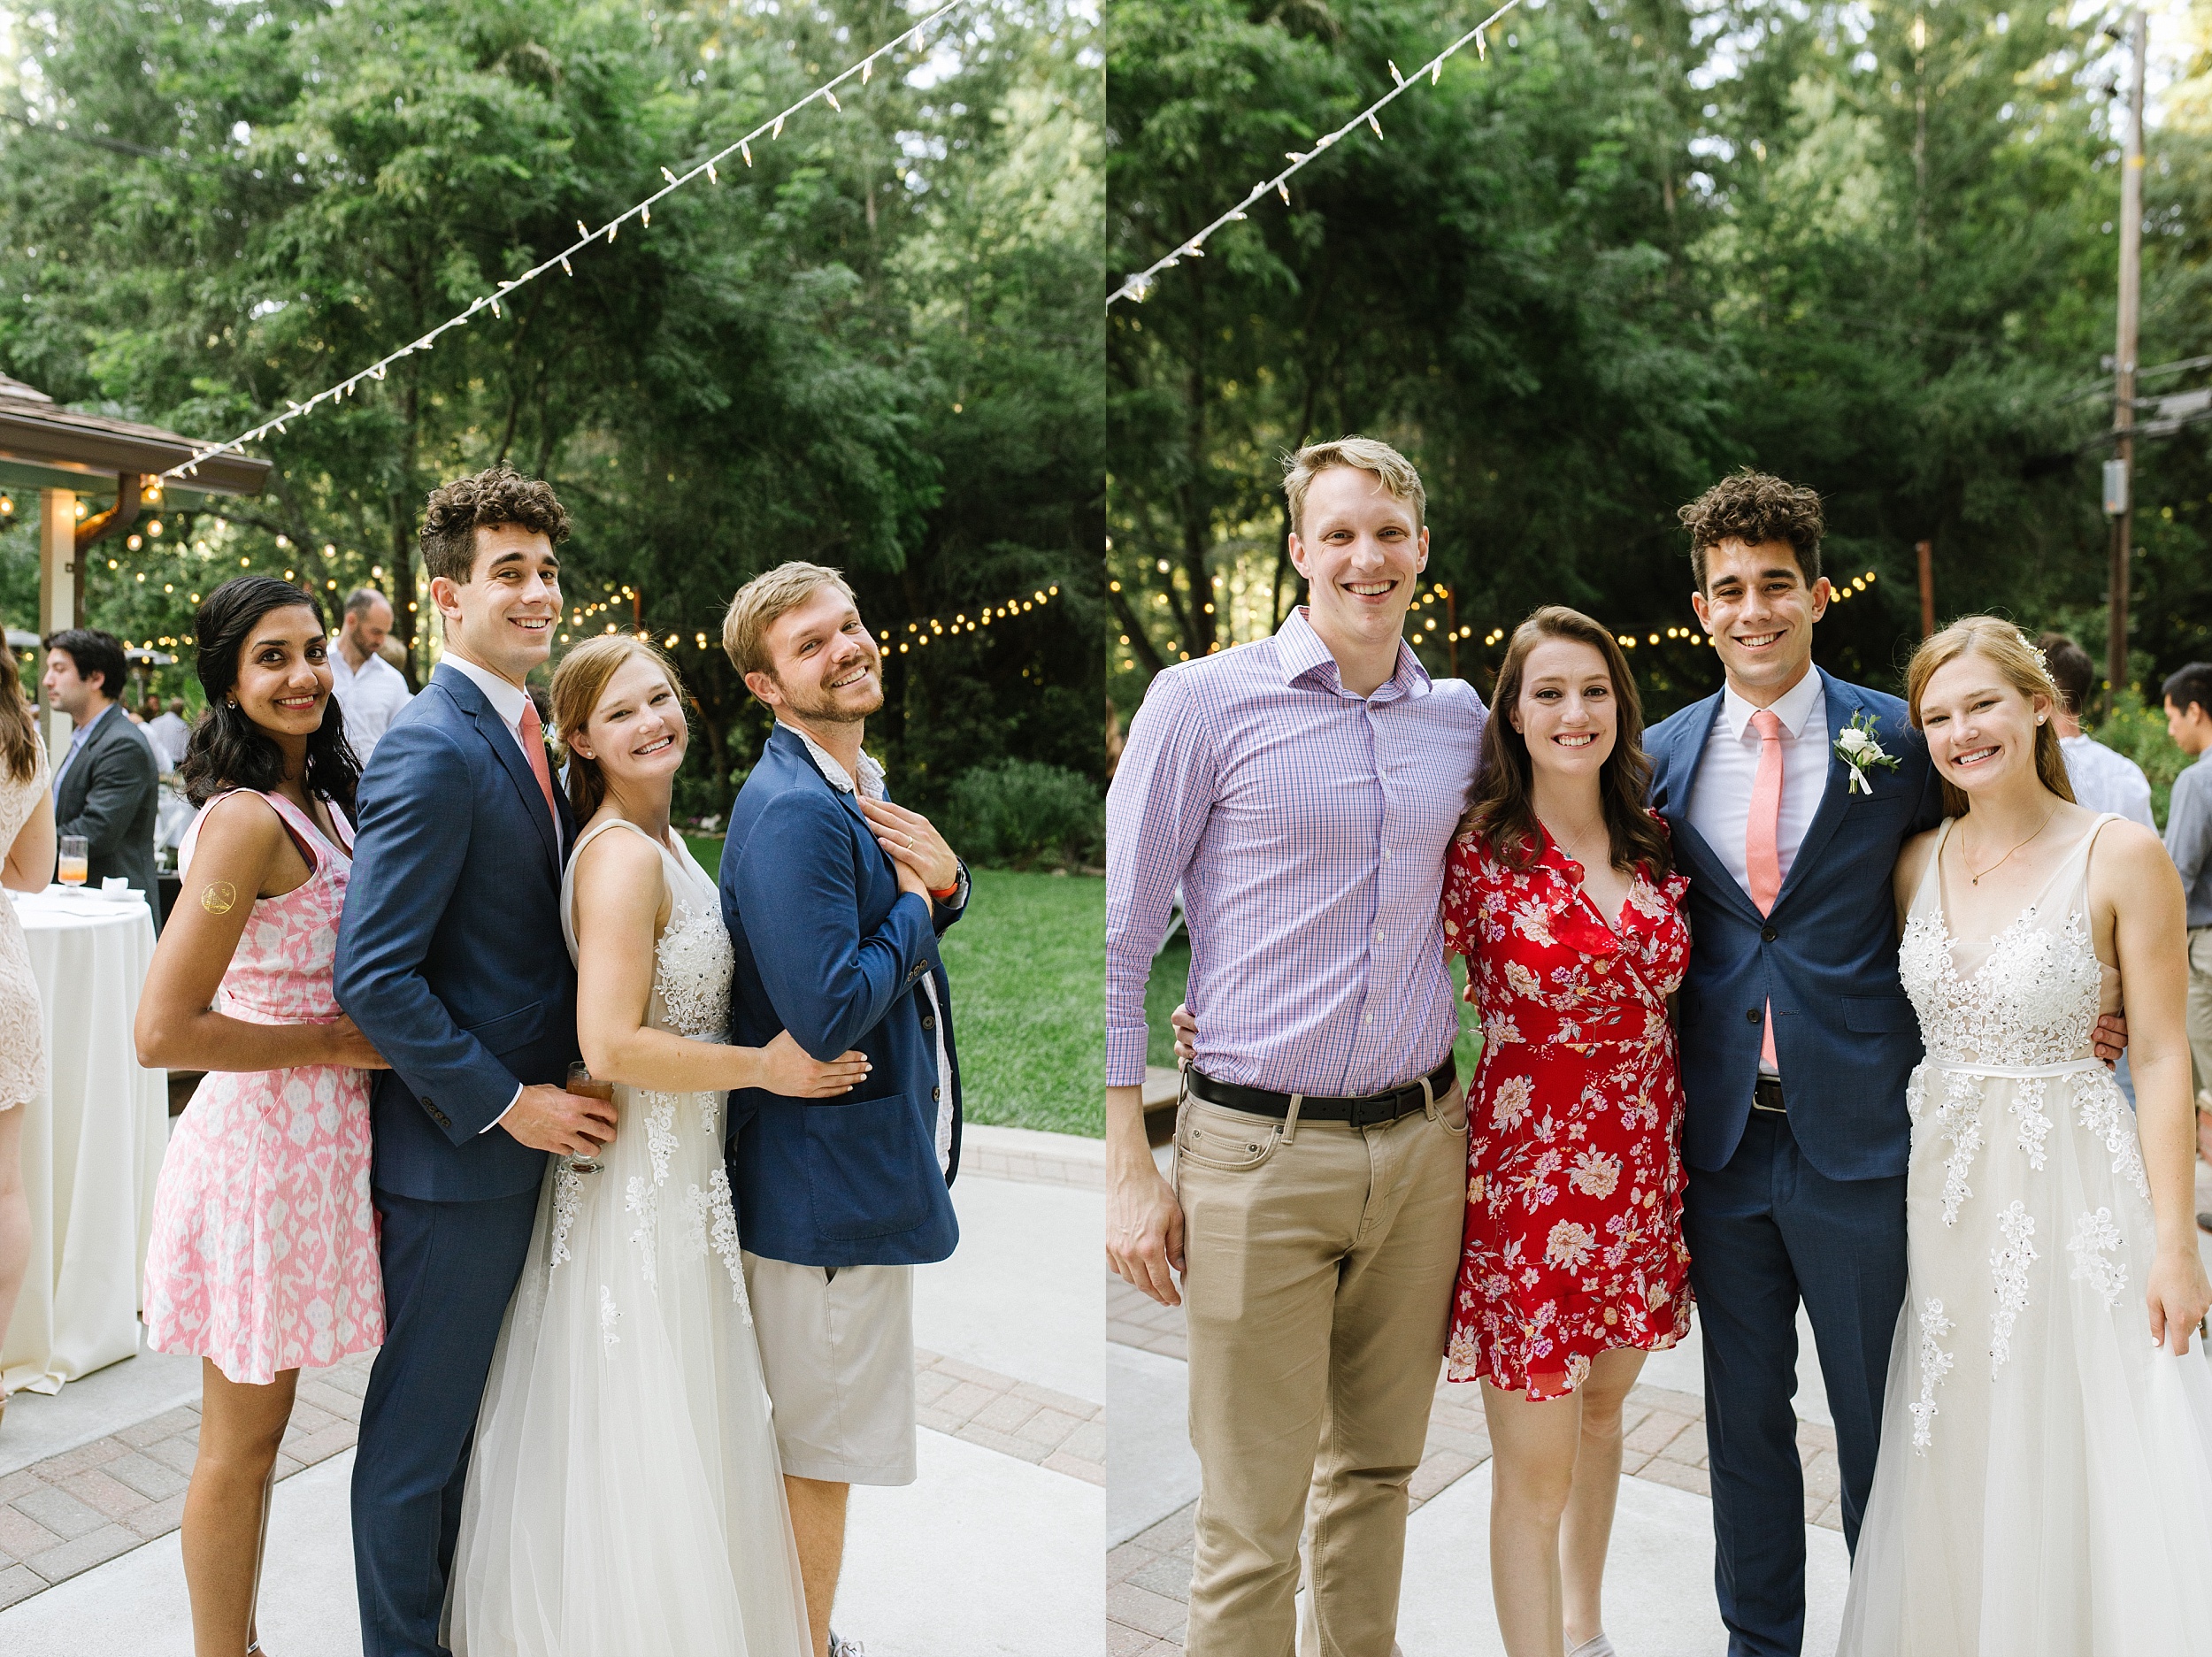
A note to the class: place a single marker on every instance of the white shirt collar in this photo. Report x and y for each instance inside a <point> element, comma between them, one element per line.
<point>871,773</point>
<point>507,699</point>
<point>1793,708</point>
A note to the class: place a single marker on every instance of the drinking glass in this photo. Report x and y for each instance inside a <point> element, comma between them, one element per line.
<point>75,860</point>
<point>583,1081</point>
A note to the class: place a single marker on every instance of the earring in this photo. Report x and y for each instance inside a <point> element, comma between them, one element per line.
<point>230,701</point>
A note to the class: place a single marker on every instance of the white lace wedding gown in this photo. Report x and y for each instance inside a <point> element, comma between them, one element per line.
<point>626,1496</point>
<point>2044,1487</point>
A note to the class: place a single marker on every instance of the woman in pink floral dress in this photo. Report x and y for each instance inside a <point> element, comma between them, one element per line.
<point>1559,894</point>
<point>263,1259</point>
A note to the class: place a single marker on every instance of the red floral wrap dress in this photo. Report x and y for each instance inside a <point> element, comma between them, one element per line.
<point>1573,1243</point>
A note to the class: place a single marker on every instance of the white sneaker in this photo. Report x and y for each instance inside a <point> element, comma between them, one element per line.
<point>842,1647</point>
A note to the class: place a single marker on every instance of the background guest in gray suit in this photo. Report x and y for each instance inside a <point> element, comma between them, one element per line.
<point>108,784</point>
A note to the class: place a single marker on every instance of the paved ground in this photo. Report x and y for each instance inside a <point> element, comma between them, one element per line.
<point>1013,1453</point>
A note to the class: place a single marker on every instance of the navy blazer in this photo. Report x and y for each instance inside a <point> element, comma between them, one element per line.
<point>450,956</point>
<point>1826,958</point>
<point>829,948</point>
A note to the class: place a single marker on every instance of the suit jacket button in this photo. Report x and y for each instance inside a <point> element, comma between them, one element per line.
<point>1752,1016</point>
<point>928,1022</point>
<point>1769,934</point>
<point>932,1095</point>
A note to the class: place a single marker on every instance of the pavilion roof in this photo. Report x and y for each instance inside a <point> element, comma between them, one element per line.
<point>38,432</point>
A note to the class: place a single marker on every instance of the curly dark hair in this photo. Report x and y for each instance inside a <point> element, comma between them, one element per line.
<point>498,495</point>
<point>1501,809</point>
<point>1754,507</point>
<point>227,750</point>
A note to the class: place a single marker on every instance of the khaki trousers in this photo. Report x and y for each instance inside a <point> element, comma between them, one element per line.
<point>1320,1260</point>
<point>2201,1005</point>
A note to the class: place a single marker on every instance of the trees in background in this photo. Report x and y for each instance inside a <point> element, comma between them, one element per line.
<point>1867,247</point>
<point>874,348</point>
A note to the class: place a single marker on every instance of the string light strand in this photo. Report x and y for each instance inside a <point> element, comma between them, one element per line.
<point>1139,283</point>
<point>584,236</point>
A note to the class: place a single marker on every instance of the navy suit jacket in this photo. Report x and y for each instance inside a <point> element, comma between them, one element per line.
<point>450,956</point>
<point>829,948</point>
<point>1826,958</point>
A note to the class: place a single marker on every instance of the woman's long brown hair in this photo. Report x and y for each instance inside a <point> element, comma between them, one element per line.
<point>19,726</point>
<point>1501,809</point>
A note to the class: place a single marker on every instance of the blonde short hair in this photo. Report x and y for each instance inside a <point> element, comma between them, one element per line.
<point>577,683</point>
<point>2019,664</point>
<point>761,601</point>
<point>1391,471</point>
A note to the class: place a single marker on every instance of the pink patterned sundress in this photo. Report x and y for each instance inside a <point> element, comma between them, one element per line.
<point>264,1252</point>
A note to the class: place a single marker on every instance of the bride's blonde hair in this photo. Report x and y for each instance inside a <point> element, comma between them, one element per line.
<point>2020,664</point>
<point>577,683</point>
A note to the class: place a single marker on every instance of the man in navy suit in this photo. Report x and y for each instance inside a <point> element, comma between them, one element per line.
<point>835,899</point>
<point>1796,1037</point>
<point>451,959</point>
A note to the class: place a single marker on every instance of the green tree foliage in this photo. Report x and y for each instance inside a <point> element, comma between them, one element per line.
<point>865,348</point>
<point>1867,247</point>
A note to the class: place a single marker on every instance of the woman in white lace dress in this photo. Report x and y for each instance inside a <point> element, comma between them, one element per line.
<point>624,1496</point>
<point>2044,1487</point>
<point>27,830</point>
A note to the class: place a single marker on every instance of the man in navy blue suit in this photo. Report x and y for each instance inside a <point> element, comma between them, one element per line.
<point>451,959</point>
<point>835,899</point>
<point>1796,1037</point>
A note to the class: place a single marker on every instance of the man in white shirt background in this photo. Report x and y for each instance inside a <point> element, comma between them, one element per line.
<point>2103,779</point>
<point>167,730</point>
<point>369,689</point>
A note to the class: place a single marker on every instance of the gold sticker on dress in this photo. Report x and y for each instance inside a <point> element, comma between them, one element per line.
<point>217,897</point>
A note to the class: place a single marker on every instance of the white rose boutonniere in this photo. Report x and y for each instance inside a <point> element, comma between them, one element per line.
<point>1858,748</point>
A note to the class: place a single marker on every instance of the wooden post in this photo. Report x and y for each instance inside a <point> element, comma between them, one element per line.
<point>2116,666</point>
<point>1451,635</point>
<point>1926,549</point>
<point>56,597</point>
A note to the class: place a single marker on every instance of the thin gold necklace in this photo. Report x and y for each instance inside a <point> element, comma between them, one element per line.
<point>1977,879</point>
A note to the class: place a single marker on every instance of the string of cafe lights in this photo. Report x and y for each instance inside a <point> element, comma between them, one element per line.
<point>1139,283</point>
<point>643,211</point>
<point>916,634</point>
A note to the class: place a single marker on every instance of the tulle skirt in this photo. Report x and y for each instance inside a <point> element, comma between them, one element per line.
<point>626,1499</point>
<point>2044,1487</point>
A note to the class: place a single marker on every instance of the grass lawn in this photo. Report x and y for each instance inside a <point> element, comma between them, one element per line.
<point>1027,964</point>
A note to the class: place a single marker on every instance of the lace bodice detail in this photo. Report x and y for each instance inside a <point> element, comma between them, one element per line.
<point>692,968</point>
<point>2035,994</point>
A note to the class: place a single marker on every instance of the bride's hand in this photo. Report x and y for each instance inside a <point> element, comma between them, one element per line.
<point>788,1069</point>
<point>2179,1297</point>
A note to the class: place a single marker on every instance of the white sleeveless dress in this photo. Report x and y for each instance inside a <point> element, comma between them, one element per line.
<point>2044,1487</point>
<point>624,1498</point>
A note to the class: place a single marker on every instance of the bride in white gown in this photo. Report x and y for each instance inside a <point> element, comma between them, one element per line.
<point>2044,1487</point>
<point>624,1498</point>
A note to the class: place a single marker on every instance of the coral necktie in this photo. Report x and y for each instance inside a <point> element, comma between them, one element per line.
<point>1762,854</point>
<point>533,746</point>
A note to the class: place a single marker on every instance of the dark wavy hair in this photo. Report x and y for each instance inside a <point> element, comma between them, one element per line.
<point>1756,507</point>
<point>227,750</point>
<point>496,495</point>
<point>1501,810</point>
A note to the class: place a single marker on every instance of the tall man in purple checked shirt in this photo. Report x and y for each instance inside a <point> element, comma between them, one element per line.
<point>1302,791</point>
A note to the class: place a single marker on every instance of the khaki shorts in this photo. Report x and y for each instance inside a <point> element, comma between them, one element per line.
<point>837,1351</point>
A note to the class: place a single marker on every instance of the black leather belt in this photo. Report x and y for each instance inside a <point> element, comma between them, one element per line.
<point>1766,1095</point>
<point>1369,1111</point>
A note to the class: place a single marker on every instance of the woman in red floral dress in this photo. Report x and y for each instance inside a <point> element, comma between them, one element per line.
<point>1558,891</point>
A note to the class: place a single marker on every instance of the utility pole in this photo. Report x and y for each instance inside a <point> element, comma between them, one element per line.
<point>2123,365</point>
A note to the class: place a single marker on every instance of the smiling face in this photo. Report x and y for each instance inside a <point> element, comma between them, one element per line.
<point>636,733</point>
<point>824,665</point>
<point>1981,728</point>
<point>284,672</point>
<point>1567,711</point>
<point>502,615</point>
<point>1760,613</point>
<point>1360,551</point>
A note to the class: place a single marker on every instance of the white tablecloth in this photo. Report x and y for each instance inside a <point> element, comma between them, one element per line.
<point>92,1144</point>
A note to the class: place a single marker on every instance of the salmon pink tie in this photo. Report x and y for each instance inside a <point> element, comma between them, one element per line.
<point>1761,850</point>
<point>533,746</point>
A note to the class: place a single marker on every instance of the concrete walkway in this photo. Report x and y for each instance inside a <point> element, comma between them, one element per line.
<point>995,1550</point>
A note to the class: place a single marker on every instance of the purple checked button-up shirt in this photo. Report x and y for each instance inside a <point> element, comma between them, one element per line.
<point>1307,828</point>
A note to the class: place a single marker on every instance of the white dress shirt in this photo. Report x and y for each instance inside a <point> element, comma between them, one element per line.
<point>1720,798</point>
<point>507,700</point>
<point>170,736</point>
<point>2107,781</point>
<point>871,787</point>
<point>369,698</point>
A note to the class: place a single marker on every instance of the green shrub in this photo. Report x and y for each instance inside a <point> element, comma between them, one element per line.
<point>2140,733</point>
<point>1020,814</point>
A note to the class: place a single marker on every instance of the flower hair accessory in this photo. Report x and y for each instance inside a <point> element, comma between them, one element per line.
<point>1858,748</point>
